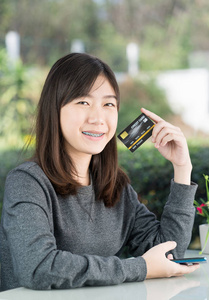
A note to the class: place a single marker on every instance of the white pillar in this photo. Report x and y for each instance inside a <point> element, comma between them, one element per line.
<point>77,46</point>
<point>12,41</point>
<point>132,53</point>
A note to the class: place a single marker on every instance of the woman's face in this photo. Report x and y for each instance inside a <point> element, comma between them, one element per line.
<point>90,122</point>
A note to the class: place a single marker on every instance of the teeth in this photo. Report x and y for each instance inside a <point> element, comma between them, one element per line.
<point>93,134</point>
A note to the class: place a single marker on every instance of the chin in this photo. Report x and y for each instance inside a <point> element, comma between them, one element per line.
<point>95,152</point>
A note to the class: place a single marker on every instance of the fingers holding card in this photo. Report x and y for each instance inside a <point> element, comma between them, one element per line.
<point>168,139</point>
<point>151,115</point>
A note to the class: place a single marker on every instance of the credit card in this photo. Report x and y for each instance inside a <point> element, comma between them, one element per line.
<point>136,133</point>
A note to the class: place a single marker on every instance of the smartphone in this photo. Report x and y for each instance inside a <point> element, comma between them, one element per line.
<point>190,260</point>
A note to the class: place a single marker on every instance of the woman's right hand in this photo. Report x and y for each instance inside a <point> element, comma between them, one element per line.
<point>158,265</point>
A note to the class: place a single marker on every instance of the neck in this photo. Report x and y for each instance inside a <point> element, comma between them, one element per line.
<point>82,169</point>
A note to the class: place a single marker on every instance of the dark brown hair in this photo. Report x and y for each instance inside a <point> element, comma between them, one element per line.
<point>69,78</point>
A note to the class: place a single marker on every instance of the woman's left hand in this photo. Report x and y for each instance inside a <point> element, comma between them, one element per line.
<point>172,144</point>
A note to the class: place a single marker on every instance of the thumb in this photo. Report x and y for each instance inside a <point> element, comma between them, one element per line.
<point>170,245</point>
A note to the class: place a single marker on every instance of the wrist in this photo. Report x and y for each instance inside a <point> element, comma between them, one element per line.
<point>182,174</point>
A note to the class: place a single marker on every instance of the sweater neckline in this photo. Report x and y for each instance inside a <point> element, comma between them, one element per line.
<point>85,189</point>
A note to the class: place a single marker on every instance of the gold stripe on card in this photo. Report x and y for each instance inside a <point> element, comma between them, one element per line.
<point>141,136</point>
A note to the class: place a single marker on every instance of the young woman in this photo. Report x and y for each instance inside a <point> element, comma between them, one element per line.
<point>69,212</point>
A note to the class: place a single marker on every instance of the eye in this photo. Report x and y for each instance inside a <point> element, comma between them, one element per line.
<point>82,102</point>
<point>110,104</point>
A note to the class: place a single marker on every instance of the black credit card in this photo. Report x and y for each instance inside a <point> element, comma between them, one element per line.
<point>135,134</point>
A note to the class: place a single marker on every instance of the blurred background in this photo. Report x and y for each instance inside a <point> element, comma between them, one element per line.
<point>159,51</point>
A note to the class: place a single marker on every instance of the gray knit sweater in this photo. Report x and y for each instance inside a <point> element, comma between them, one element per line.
<point>51,242</point>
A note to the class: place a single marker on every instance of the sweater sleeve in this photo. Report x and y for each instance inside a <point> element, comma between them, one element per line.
<point>175,225</point>
<point>37,263</point>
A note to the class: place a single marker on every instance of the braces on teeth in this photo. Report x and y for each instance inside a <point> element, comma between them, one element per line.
<point>93,134</point>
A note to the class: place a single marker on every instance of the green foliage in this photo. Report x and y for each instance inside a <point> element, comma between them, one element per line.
<point>137,93</point>
<point>8,160</point>
<point>114,52</point>
<point>171,45</point>
<point>19,88</point>
<point>150,175</point>
<point>166,31</point>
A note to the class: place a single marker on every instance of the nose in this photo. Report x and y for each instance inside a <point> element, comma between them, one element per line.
<point>96,116</point>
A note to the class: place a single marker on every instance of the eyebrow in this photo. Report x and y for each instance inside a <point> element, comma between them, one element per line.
<point>110,96</point>
<point>104,97</point>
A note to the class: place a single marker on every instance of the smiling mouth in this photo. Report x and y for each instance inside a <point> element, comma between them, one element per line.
<point>92,134</point>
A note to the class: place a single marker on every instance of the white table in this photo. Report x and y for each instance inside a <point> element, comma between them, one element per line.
<point>192,286</point>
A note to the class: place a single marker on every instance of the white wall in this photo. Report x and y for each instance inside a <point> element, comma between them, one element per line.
<point>188,94</point>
